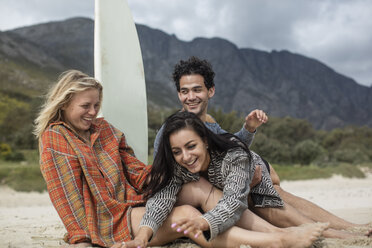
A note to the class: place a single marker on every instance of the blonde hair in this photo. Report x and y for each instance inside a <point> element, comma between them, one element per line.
<point>69,83</point>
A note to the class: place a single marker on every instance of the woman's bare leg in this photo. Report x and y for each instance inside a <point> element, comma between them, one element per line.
<point>233,237</point>
<point>165,233</point>
<point>201,194</point>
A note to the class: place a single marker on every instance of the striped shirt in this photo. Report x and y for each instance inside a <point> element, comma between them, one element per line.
<point>231,172</point>
<point>92,186</point>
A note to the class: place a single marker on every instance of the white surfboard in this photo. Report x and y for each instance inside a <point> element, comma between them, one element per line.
<point>118,65</point>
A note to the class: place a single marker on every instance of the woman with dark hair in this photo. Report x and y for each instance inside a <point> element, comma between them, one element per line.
<point>189,152</point>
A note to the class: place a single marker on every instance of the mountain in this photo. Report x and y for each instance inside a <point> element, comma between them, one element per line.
<point>280,82</point>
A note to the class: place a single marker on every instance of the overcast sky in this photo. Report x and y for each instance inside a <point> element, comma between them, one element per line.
<point>336,32</point>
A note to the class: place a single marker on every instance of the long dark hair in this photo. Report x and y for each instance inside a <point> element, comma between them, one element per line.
<point>163,166</point>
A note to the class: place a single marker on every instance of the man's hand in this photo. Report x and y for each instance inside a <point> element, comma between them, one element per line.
<point>255,119</point>
<point>192,227</point>
<point>256,179</point>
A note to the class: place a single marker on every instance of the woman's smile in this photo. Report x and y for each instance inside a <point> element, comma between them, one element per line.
<point>191,164</point>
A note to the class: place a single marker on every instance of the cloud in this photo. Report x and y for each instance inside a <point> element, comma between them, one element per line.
<point>340,37</point>
<point>336,32</point>
<point>27,12</point>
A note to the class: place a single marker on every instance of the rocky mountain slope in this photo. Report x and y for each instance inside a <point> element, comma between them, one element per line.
<point>280,82</point>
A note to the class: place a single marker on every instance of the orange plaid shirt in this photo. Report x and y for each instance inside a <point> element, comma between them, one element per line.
<point>92,186</point>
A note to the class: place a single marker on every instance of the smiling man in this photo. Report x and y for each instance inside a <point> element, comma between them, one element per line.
<point>194,80</point>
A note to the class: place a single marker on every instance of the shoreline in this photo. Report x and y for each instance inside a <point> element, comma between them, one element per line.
<point>30,220</point>
<point>348,198</point>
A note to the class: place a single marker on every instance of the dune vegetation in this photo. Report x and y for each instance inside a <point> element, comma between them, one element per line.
<point>292,146</point>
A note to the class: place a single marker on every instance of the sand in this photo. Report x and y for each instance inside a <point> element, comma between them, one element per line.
<point>29,219</point>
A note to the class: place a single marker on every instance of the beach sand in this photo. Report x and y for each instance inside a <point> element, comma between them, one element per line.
<point>29,219</point>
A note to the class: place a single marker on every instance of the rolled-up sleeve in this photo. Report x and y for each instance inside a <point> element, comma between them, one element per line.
<point>246,136</point>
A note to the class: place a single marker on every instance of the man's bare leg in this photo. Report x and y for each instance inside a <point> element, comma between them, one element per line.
<point>298,237</point>
<point>292,216</point>
<point>311,210</point>
<point>288,216</point>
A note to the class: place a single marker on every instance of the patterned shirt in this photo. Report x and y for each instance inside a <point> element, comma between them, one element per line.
<point>231,172</point>
<point>92,186</point>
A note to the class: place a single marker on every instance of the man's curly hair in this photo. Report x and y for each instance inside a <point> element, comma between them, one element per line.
<point>194,65</point>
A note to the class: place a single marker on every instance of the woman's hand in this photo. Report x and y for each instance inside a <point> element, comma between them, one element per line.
<point>191,227</point>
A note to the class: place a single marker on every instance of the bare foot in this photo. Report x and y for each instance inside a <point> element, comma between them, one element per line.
<point>361,229</point>
<point>367,227</point>
<point>362,232</point>
<point>353,232</point>
<point>339,234</point>
<point>304,235</point>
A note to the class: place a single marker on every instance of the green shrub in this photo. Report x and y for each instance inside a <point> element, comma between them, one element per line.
<point>5,150</point>
<point>7,154</point>
<point>353,156</point>
<point>25,175</point>
<point>23,178</point>
<point>271,150</point>
<point>295,172</point>
<point>307,151</point>
<point>15,156</point>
